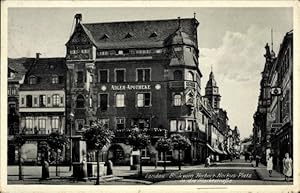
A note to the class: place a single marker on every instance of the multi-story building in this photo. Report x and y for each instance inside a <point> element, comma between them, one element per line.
<point>236,143</point>
<point>261,133</point>
<point>136,74</point>
<point>16,74</point>
<point>42,104</point>
<point>273,120</point>
<point>280,111</point>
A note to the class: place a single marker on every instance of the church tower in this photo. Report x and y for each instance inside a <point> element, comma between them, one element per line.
<point>212,92</point>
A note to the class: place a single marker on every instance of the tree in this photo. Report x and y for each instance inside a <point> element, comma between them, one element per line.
<point>19,141</point>
<point>180,143</point>
<point>57,142</point>
<point>164,145</point>
<point>139,139</point>
<point>97,136</point>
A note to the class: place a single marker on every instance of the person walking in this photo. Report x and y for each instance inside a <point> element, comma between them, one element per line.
<point>287,166</point>
<point>270,164</point>
<point>257,159</point>
<point>207,161</point>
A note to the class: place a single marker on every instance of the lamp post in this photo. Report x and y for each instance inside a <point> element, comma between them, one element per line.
<point>71,145</point>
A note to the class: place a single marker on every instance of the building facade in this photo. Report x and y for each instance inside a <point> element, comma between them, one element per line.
<point>146,75</point>
<point>218,122</point>
<point>42,105</point>
<point>17,69</point>
<point>273,121</point>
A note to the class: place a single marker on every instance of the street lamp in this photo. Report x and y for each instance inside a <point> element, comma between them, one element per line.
<point>71,115</point>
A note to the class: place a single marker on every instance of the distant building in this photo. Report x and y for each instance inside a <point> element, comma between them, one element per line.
<point>42,105</point>
<point>16,74</point>
<point>219,121</point>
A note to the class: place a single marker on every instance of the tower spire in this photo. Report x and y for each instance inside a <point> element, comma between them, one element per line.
<point>272,39</point>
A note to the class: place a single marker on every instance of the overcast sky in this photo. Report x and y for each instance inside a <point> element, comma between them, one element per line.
<point>230,39</point>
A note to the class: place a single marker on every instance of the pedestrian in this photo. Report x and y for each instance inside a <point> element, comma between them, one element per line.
<point>287,166</point>
<point>246,156</point>
<point>45,169</point>
<point>84,175</point>
<point>270,164</point>
<point>109,167</point>
<point>251,158</point>
<point>207,162</point>
<point>257,160</point>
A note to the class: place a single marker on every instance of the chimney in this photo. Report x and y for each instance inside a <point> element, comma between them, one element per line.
<point>179,22</point>
<point>78,18</point>
<point>38,55</point>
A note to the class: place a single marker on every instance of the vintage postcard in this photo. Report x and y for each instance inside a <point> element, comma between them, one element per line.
<point>149,96</point>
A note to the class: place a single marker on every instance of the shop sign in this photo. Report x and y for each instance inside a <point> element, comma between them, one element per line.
<point>276,125</point>
<point>131,87</point>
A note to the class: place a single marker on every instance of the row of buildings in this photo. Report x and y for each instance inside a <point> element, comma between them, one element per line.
<point>273,120</point>
<point>143,74</point>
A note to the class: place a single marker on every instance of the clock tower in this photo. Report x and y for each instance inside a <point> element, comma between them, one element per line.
<point>212,92</point>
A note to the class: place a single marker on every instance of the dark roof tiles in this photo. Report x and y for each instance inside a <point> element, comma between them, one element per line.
<point>140,32</point>
<point>44,69</point>
<point>19,66</point>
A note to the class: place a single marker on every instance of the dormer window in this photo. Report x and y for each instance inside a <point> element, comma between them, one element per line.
<point>54,79</point>
<point>153,35</point>
<point>105,36</point>
<point>128,35</point>
<point>32,80</point>
<point>51,66</point>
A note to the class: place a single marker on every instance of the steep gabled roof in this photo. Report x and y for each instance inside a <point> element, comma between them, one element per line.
<point>19,66</point>
<point>43,69</point>
<point>142,30</point>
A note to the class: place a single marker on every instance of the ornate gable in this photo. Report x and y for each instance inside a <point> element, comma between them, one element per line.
<point>79,37</point>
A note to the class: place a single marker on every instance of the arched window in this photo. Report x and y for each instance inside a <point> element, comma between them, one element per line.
<point>177,75</point>
<point>190,76</point>
<point>80,101</point>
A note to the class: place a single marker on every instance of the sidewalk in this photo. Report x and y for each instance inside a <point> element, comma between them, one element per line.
<point>263,173</point>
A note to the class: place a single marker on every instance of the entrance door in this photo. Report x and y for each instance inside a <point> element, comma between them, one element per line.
<point>116,154</point>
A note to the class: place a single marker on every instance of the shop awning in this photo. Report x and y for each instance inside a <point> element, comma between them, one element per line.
<point>209,147</point>
<point>229,152</point>
<point>218,151</point>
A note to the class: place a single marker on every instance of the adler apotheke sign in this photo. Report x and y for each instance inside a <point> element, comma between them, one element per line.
<point>131,87</point>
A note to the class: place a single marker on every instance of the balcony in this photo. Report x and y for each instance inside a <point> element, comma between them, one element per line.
<point>183,84</point>
<point>41,109</point>
<point>176,84</point>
